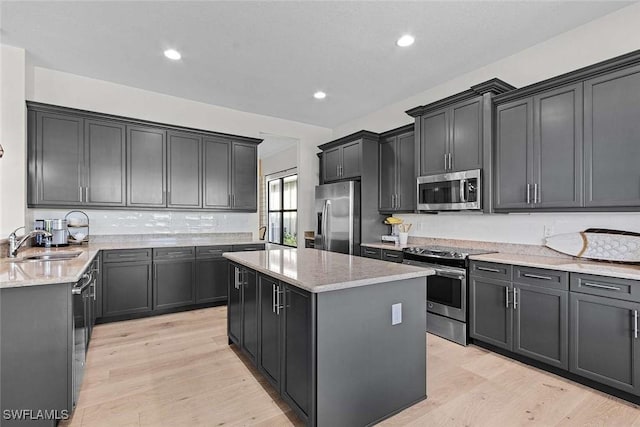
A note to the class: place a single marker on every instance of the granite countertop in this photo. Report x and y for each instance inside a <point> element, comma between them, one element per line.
<point>572,265</point>
<point>322,271</point>
<point>14,272</point>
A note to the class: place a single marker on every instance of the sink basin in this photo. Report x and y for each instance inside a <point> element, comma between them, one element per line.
<point>52,256</point>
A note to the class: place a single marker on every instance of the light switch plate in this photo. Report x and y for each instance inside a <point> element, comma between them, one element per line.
<point>396,314</point>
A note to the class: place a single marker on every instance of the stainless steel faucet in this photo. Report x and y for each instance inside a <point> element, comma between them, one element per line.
<point>15,243</point>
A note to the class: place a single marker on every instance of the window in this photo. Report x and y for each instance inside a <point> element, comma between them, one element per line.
<point>283,210</point>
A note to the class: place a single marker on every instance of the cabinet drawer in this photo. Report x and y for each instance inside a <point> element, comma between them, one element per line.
<point>174,253</point>
<point>212,251</point>
<point>541,277</point>
<point>250,247</point>
<point>606,286</point>
<point>393,256</point>
<point>491,270</point>
<point>371,252</point>
<point>127,255</point>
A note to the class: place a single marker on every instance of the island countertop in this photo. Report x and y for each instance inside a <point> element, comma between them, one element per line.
<point>322,271</point>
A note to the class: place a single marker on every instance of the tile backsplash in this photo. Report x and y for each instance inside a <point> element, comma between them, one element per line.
<point>111,222</point>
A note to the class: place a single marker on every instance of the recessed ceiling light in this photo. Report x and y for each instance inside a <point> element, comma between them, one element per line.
<point>319,95</point>
<point>406,40</point>
<point>172,54</point>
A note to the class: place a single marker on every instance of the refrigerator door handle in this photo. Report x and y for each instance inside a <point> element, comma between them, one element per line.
<point>323,226</point>
<point>325,218</point>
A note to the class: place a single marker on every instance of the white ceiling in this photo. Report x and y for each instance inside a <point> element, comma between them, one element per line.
<point>269,57</point>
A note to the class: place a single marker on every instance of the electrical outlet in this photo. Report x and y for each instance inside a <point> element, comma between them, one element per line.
<point>396,314</point>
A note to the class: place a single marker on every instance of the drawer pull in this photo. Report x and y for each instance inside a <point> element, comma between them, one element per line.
<point>392,256</point>
<point>490,270</point>
<point>595,285</point>
<point>177,253</point>
<point>635,323</point>
<point>536,276</point>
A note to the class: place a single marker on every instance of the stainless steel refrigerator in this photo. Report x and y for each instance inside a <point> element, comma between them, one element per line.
<point>338,213</point>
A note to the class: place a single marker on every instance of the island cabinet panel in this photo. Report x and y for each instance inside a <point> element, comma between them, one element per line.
<point>250,313</point>
<point>604,341</point>
<point>146,167</point>
<point>184,165</point>
<point>611,135</point>
<point>270,329</point>
<point>234,304</point>
<point>36,350</point>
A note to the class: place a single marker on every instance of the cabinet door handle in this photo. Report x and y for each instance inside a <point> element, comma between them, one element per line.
<point>595,285</point>
<point>506,299</point>
<point>450,161</point>
<point>273,298</point>
<point>490,270</point>
<point>515,298</point>
<point>445,161</point>
<point>278,295</point>
<point>536,276</point>
<point>237,274</point>
<point>398,201</point>
<point>528,193</point>
<point>536,193</point>
<point>388,255</point>
<point>635,323</point>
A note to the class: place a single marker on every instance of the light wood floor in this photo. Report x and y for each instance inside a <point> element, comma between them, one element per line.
<point>177,370</point>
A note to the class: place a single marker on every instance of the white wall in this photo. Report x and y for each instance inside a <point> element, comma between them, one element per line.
<point>59,88</point>
<point>280,161</point>
<point>612,35</point>
<point>13,176</point>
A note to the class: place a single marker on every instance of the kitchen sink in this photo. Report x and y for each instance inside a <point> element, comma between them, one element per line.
<point>53,256</point>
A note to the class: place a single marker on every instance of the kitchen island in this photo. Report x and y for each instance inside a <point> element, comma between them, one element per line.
<point>341,338</point>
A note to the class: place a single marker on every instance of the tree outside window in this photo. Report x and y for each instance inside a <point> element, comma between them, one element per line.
<point>283,210</point>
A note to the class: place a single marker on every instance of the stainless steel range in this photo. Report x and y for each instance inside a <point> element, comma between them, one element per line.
<point>447,290</point>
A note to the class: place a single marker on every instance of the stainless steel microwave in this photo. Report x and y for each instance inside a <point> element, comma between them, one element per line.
<point>454,191</point>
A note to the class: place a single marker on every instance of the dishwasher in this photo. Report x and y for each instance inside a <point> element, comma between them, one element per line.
<point>81,300</point>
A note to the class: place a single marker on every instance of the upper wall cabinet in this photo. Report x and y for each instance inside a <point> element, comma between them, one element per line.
<point>83,159</point>
<point>454,134</point>
<point>539,150</point>
<point>347,157</point>
<point>571,142</point>
<point>397,178</point>
<point>612,139</point>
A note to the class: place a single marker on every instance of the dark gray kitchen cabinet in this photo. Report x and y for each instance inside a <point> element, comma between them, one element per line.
<point>434,142</point>
<point>451,138</point>
<point>234,304</point>
<point>127,287</point>
<point>250,313</point>
<point>397,178</point>
<point>146,167</point>
<point>217,173</point>
<point>297,352</point>
<point>104,161</point>
<point>541,324</point>
<point>539,151</point>
<point>174,271</point>
<point>611,139</point>
<point>350,157</point>
<point>270,329</point>
<point>244,171</point>
<point>514,154</point>
<point>369,252</point>
<point>56,159</point>
<point>184,165</point>
<point>491,315</point>
<point>604,343</point>
<point>212,277</point>
<point>331,161</point>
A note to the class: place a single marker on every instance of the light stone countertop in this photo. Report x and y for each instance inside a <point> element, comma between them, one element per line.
<point>322,271</point>
<point>391,246</point>
<point>14,272</point>
<point>573,265</point>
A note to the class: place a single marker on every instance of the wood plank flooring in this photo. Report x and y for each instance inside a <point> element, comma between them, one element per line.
<point>177,370</point>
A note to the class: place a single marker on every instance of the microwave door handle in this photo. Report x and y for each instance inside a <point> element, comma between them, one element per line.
<point>463,190</point>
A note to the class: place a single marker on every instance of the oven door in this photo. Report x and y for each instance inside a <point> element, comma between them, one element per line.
<point>446,290</point>
<point>450,191</point>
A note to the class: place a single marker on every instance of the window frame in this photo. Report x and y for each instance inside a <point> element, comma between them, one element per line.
<point>282,210</point>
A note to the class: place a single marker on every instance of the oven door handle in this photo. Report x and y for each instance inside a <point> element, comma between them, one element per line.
<point>451,275</point>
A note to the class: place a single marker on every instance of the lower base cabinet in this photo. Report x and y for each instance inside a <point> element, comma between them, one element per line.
<point>212,277</point>
<point>605,346</point>
<point>174,283</point>
<point>127,288</point>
